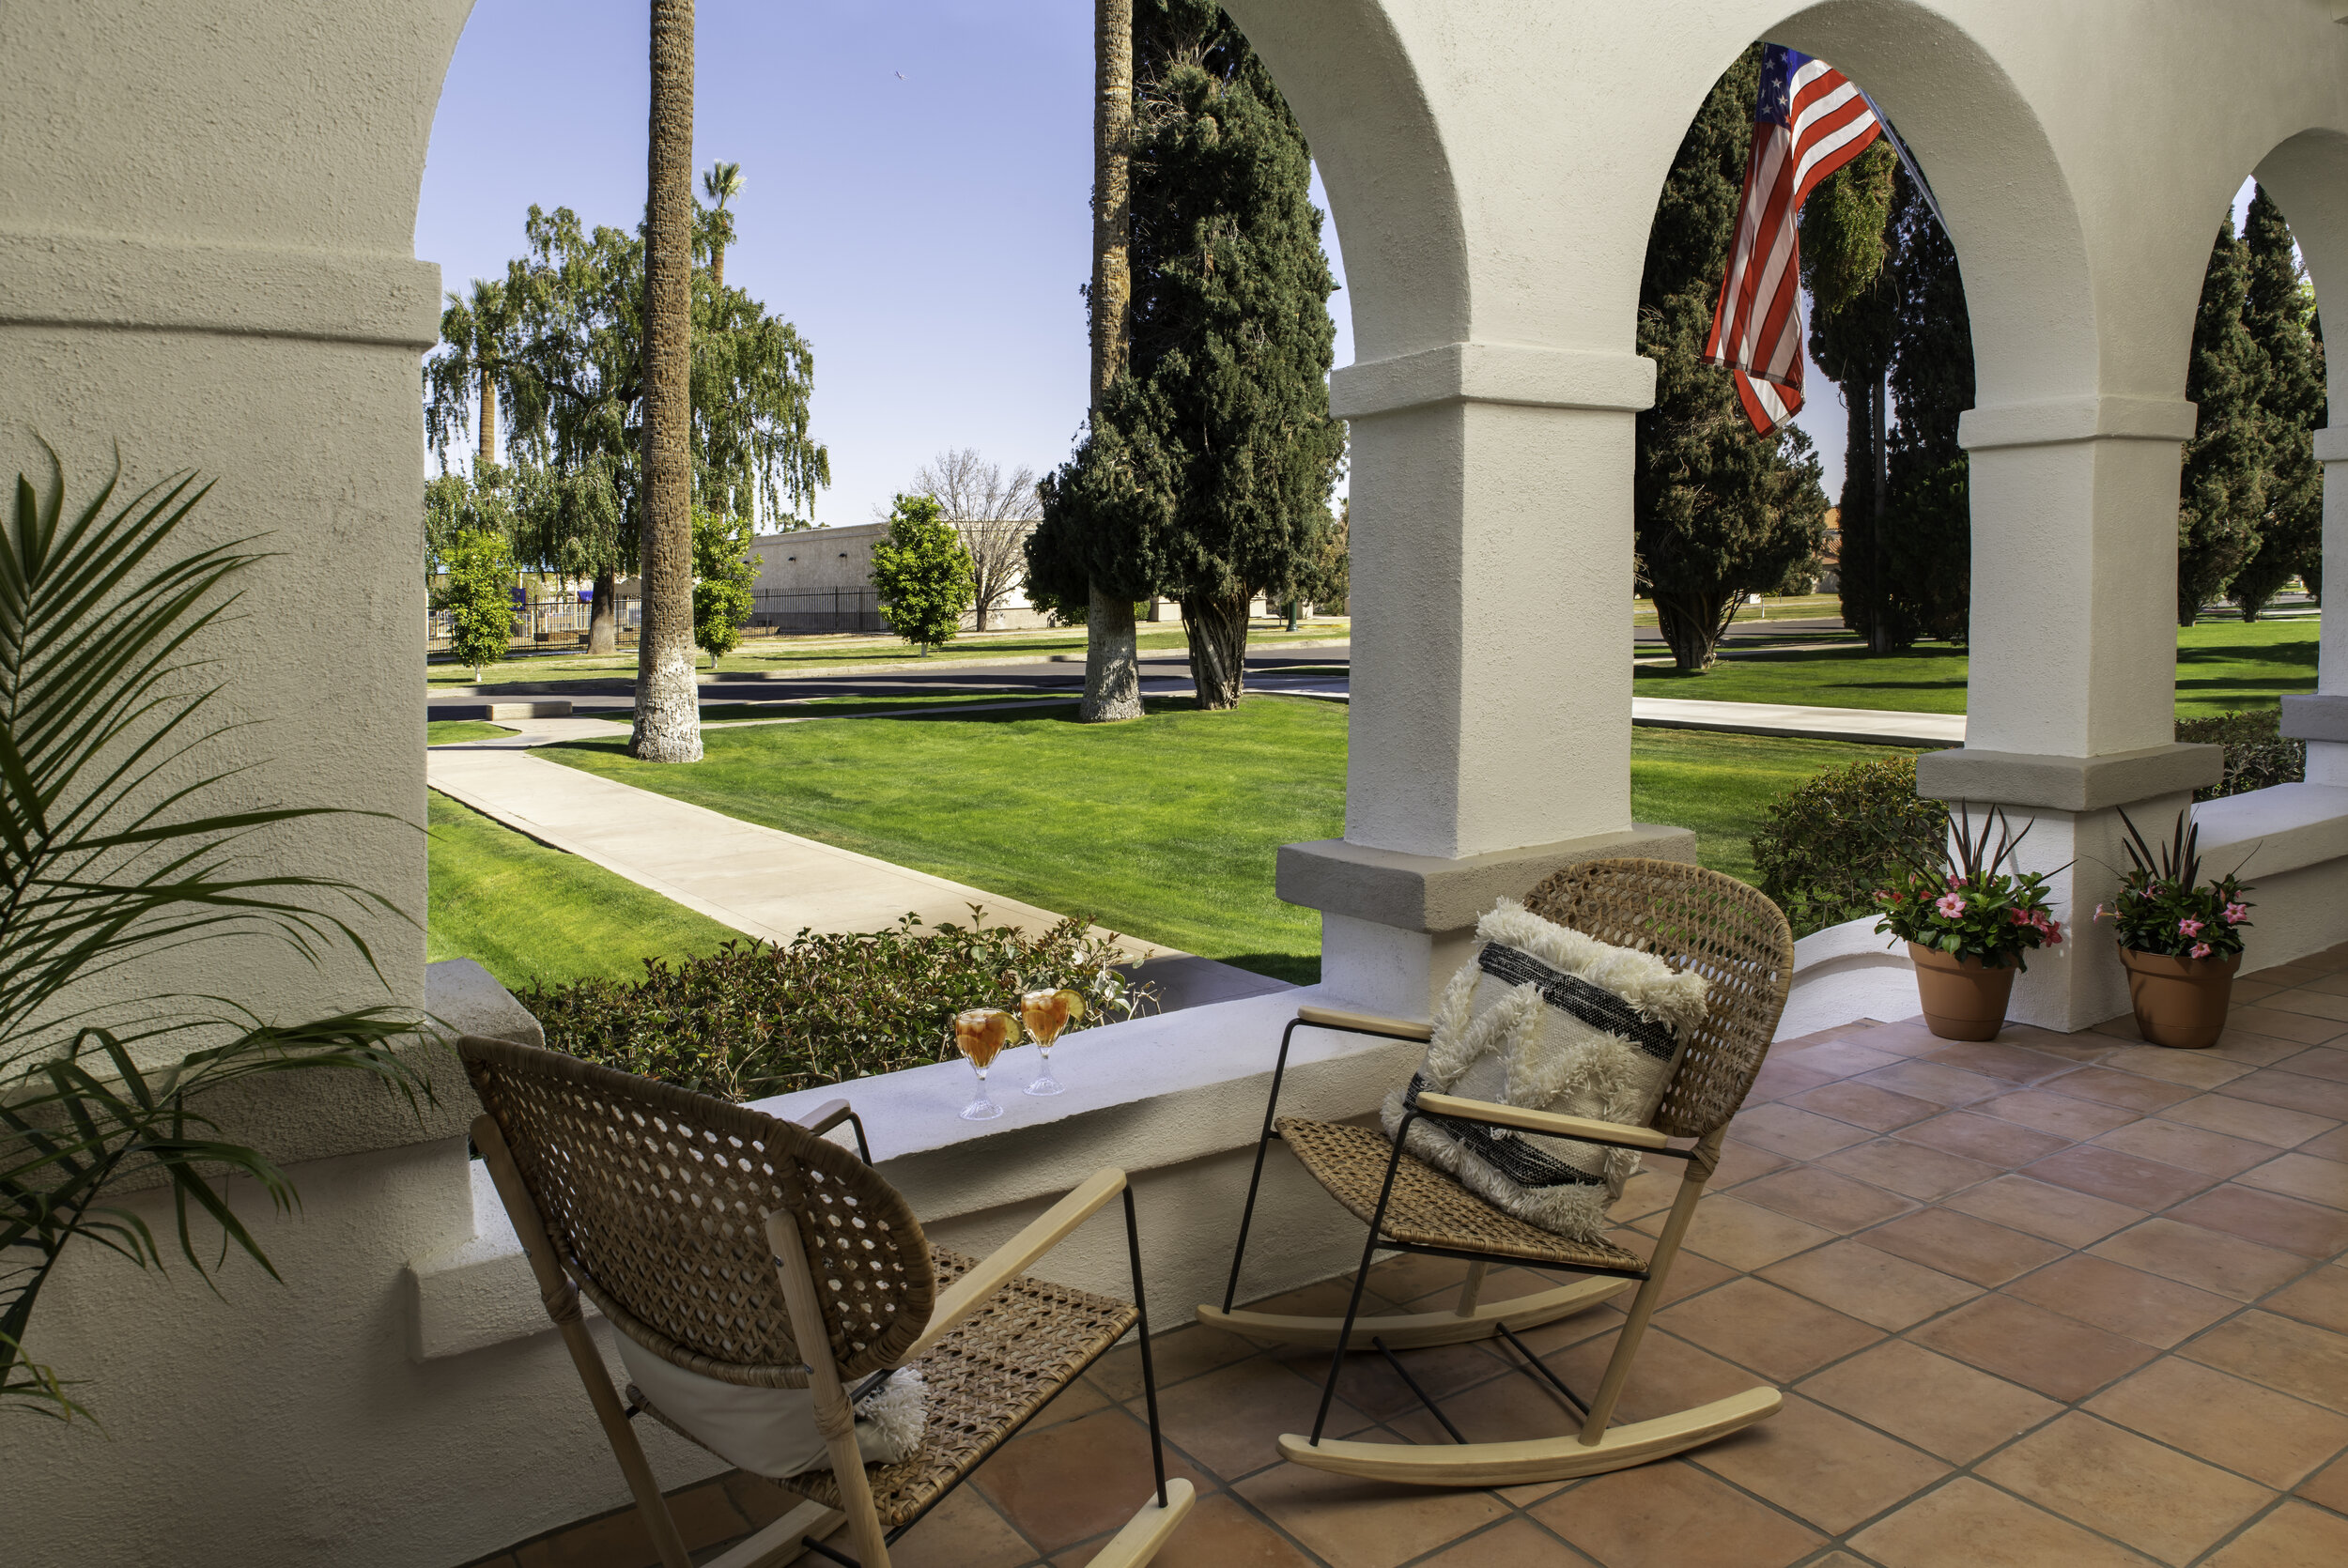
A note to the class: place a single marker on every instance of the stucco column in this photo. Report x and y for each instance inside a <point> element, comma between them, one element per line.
<point>2321,720</point>
<point>2071,701</point>
<point>1491,595</point>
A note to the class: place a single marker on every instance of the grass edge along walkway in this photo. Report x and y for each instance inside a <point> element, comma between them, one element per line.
<point>524,912</point>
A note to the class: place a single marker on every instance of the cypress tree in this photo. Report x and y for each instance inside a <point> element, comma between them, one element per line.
<point>1720,511</point>
<point>2221,493</point>
<point>2279,313</point>
<point>1207,471</point>
<point>1846,245</point>
<point>1928,540</point>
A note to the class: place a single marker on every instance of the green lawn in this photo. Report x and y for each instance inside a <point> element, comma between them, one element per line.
<point>812,655</point>
<point>1167,828</point>
<point>2220,665</point>
<point>446,732</point>
<point>523,911</point>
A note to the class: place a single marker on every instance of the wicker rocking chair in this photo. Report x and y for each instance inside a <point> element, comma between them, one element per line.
<point>1694,917</point>
<point>710,1235</point>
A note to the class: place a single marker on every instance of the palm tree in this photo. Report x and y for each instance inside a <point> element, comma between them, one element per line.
<point>721,184</point>
<point>1112,667</point>
<point>668,692</point>
<point>476,337</point>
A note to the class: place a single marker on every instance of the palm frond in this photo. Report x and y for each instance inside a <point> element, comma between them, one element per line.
<point>111,855</point>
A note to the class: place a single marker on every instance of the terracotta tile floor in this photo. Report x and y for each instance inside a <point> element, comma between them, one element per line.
<point>2059,1299</point>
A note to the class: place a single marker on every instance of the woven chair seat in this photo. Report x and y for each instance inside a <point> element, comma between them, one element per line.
<point>986,1378</point>
<point>1428,1208</point>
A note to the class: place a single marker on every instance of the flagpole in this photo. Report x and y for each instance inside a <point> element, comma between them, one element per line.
<point>1915,174</point>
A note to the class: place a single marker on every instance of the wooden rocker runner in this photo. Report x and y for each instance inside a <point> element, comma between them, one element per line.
<point>1693,918</point>
<point>712,1236</point>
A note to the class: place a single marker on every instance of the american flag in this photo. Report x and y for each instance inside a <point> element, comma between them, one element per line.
<point>1809,121</point>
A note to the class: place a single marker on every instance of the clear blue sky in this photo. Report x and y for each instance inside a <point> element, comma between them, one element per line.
<point>918,179</point>
<point>928,234</point>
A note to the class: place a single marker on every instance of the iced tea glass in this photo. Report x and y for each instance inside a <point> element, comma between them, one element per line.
<point>1046,1013</point>
<point>981,1033</point>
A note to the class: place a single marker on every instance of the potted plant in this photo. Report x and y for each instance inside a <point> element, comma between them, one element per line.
<point>2180,938</point>
<point>1968,919</point>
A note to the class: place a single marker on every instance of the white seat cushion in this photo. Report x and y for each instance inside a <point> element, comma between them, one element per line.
<point>772,1431</point>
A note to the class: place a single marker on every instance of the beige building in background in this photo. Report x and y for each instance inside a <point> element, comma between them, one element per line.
<point>821,579</point>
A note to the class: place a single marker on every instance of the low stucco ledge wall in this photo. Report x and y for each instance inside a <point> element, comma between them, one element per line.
<point>1845,972</point>
<point>1177,1101</point>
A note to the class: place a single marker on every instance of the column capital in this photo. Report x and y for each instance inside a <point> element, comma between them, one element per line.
<point>2077,419</point>
<point>1429,893</point>
<point>2331,444</point>
<point>126,282</point>
<point>2321,717</point>
<point>1494,372</point>
<point>2066,783</point>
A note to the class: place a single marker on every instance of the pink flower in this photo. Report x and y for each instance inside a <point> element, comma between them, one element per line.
<point>2200,950</point>
<point>1950,904</point>
<point>1955,881</point>
<point>2103,910</point>
<point>2054,932</point>
<point>2237,914</point>
<point>2024,917</point>
<point>2189,926</point>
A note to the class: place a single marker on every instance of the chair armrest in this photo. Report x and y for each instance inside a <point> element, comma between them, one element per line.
<point>1552,1123</point>
<point>1364,1023</point>
<point>824,1118</point>
<point>1013,1257</point>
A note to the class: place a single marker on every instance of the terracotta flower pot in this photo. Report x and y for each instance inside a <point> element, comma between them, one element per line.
<point>2180,1002</point>
<point>1964,999</point>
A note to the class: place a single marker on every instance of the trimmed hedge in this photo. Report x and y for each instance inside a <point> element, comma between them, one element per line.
<point>753,1018</point>
<point>1829,844</point>
<point>2257,753</point>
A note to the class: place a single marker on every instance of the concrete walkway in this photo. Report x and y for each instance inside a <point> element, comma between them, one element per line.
<point>760,880</point>
<point>1879,726</point>
<point>1883,726</point>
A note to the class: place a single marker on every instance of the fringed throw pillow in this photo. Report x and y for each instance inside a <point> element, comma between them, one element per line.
<point>1547,1017</point>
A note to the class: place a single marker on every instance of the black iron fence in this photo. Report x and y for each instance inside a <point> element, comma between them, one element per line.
<point>832,609</point>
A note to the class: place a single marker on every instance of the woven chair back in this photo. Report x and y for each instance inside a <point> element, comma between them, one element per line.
<point>1720,928</point>
<point>656,1198</point>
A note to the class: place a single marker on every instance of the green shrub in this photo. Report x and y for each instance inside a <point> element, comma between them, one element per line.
<point>2257,752</point>
<point>1829,843</point>
<point>753,1018</point>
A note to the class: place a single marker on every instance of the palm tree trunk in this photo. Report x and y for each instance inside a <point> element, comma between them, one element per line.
<point>1112,652</point>
<point>489,422</point>
<point>1216,629</point>
<point>668,692</point>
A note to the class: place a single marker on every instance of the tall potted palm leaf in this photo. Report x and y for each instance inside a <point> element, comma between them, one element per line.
<point>114,850</point>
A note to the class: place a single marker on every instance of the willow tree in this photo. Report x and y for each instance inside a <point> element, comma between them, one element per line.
<point>574,391</point>
<point>1206,471</point>
<point>1720,510</point>
<point>2279,311</point>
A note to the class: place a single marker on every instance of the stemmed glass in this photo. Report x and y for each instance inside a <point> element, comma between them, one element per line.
<point>980,1035</point>
<point>1046,1013</point>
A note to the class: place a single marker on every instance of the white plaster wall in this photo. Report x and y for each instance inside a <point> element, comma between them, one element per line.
<point>206,222</point>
